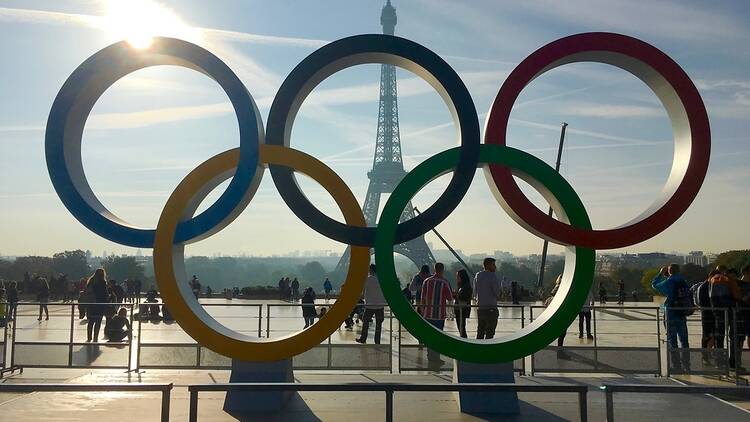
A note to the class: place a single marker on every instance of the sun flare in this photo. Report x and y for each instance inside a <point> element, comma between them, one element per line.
<point>139,21</point>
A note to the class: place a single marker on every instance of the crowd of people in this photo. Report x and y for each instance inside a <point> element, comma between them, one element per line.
<point>723,300</point>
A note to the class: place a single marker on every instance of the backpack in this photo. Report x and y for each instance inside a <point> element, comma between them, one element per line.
<point>720,295</point>
<point>683,298</point>
<point>700,294</point>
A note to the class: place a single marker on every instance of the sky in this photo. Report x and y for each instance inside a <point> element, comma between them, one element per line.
<point>153,126</point>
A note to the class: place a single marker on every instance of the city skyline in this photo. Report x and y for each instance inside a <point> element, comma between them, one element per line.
<point>151,128</point>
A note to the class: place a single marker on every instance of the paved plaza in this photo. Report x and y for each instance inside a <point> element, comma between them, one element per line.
<point>623,332</point>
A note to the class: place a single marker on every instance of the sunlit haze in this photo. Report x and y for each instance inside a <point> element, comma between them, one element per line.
<point>150,129</point>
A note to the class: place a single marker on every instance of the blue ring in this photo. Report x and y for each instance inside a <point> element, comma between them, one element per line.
<point>77,97</point>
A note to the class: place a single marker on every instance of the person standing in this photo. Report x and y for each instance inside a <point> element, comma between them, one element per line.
<point>724,294</point>
<point>486,292</point>
<point>702,299</point>
<point>137,285</point>
<point>42,296</point>
<point>195,286</point>
<point>514,292</point>
<point>416,282</point>
<point>295,289</point>
<point>602,294</point>
<point>621,292</point>
<point>434,298</point>
<point>327,287</point>
<point>374,304</point>
<point>585,314</point>
<point>464,293</point>
<point>743,314</point>
<point>12,300</point>
<point>670,283</point>
<point>308,306</point>
<point>97,285</point>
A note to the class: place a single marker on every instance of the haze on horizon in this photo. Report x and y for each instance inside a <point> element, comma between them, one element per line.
<point>155,125</point>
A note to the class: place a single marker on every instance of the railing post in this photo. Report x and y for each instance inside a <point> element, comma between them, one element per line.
<point>658,339</point>
<point>268,320</point>
<point>389,405</point>
<point>593,317</point>
<point>165,399</point>
<point>390,339</point>
<point>13,340</point>
<point>193,416</point>
<point>70,346</point>
<point>583,406</point>
<point>399,346</point>
<point>260,320</point>
<point>138,349</point>
<point>130,340</point>
<point>609,400</point>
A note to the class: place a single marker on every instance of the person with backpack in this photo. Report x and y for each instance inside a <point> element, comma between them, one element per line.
<point>327,287</point>
<point>724,295</point>
<point>701,298</point>
<point>677,306</point>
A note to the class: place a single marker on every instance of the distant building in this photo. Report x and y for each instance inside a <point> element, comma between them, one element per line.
<point>696,258</point>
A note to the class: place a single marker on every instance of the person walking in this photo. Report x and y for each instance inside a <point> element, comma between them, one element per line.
<point>42,296</point>
<point>585,314</point>
<point>327,287</point>
<point>434,298</point>
<point>464,293</point>
<point>486,292</point>
<point>97,285</point>
<point>621,292</point>
<point>670,283</point>
<point>602,295</point>
<point>561,353</point>
<point>374,306</point>
<point>416,282</point>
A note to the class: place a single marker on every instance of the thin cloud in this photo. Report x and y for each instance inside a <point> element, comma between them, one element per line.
<point>612,111</point>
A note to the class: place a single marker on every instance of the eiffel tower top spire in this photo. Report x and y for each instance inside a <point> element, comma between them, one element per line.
<point>388,18</point>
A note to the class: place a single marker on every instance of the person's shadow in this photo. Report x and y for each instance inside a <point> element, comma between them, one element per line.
<point>86,355</point>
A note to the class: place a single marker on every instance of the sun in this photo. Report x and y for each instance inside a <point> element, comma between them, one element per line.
<point>139,21</point>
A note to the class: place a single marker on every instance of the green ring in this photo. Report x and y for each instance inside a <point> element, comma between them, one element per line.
<point>544,329</point>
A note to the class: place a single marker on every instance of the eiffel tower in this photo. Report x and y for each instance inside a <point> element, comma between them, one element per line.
<point>387,166</point>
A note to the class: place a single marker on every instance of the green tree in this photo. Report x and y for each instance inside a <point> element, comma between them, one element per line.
<point>693,273</point>
<point>733,259</point>
<point>71,263</point>
<point>313,273</point>
<point>647,278</point>
<point>121,267</point>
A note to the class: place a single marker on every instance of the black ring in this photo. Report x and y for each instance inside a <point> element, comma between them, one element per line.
<point>374,48</point>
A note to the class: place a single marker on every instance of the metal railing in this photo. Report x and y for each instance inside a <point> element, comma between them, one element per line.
<point>627,340</point>
<point>165,390</point>
<point>390,388</point>
<point>610,389</point>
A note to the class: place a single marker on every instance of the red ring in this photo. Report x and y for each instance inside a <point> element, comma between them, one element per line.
<point>653,67</point>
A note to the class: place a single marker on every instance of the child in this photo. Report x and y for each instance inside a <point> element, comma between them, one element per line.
<point>308,307</point>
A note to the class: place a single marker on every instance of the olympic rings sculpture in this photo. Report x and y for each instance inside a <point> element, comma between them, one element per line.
<point>260,148</point>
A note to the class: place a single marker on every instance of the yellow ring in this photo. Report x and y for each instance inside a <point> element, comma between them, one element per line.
<point>169,264</point>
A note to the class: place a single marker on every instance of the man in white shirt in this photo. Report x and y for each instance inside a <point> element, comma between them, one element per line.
<point>374,304</point>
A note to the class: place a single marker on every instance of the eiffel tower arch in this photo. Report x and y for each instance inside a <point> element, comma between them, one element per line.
<point>387,165</point>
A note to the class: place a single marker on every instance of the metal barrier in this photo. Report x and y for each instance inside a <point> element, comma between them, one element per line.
<point>343,354</point>
<point>412,356</point>
<point>165,390</point>
<point>605,352</point>
<point>184,352</point>
<point>610,389</point>
<point>626,340</point>
<point>390,388</point>
<point>71,352</point>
